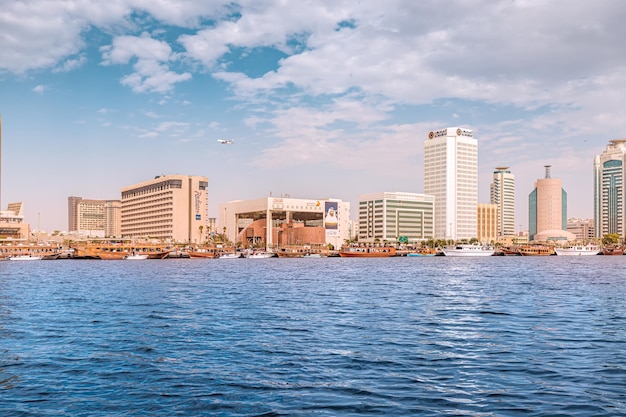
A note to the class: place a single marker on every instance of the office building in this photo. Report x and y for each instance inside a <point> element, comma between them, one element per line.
<point>95,218</point>
<point>12,225</point>
<point>487,223</point>
<point>171,208</point>
<point>582,228</point>
<point>451,176</point>
<point>547,210</point>
<point>396,216</point>
<point>293,221</point>
<point>502,193</point>
<point>608,186</point>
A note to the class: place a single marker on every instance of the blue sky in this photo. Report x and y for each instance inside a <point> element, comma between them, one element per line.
<point>322,98</point>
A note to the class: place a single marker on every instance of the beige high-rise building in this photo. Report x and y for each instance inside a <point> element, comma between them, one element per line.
<point>113,218</point>
<point>502,193</point>
<point>168,208</point>
<point>487,222</point>
<point>547,206</point>
<point>94,217</point>
<point>451,176</point>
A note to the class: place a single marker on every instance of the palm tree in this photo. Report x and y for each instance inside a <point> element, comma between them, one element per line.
<point>201,227</point>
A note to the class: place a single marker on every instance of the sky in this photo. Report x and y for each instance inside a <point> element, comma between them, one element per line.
<point>321,98</point>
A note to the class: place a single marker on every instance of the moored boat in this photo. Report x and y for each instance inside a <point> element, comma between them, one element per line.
<point>260,255</point>
<point>25,258</point>
<point>468,250</point>
<point>613,250</point>
<point>235,255</point>
<point>367,251</point>
<point>536,250</point>
<point>30,250</point>
<point>135,257</point>
<point>423,252</point>
<point>117,251</point>
<point>210,252</point>
<point>578,250</point>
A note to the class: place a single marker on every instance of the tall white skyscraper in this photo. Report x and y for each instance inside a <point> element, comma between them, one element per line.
<point>608,186</point>
<point>502,193</point>
<point>451,175</point>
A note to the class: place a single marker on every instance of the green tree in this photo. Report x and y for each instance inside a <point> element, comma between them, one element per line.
<point>610,239</point>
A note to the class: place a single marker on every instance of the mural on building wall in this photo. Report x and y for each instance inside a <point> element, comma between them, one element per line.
<point>331,220</point>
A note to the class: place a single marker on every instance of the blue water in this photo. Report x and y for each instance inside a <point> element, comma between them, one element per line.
<point>498,336</point>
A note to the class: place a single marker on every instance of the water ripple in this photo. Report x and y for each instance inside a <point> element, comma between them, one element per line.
<point>348,337</point>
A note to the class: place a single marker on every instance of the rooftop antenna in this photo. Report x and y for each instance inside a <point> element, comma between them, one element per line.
<point>547,167</point>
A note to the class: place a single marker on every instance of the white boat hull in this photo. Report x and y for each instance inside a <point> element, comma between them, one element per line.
<point>578,251</point>
<point>25,258</point>
<point>230,256</point>
<point>136,257</point>
<point>261,256</point>
<point>468,251</point>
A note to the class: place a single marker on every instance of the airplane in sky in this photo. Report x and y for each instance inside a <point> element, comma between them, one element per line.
<point>225,141</point>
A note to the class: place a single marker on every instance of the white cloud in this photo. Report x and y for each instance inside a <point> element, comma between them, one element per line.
<point>39,89</point>
<point>169,128</point>
<point>150,56</point>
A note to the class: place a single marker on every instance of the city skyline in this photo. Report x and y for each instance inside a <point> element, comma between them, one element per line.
<point>322,99</point>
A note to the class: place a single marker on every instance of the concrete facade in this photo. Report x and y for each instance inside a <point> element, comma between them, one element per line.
<point>386,216</point>
<point>168,208</point>
<point>12,225</point>
<point>246,221</point>
<point>451,176</point>
<point>502,193</point>
<point>583,229</point>
<point>94,217</point>
<point>609,177</point>
<point>547,206</point>
<point>487,222</point>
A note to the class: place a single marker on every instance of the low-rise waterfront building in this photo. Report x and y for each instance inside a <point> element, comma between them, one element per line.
<point>168,208</point>
<point>583,229</point>
<point>12,225</point>
<point>393,216</point>
<point>292,221</point>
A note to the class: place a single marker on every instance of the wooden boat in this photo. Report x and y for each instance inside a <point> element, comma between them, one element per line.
<point>613,250</point>
<point>536,250</point>
<point>204,252</point>
<point>117,251</point>
<point>423,252</point>
<point>367,251</point>
<point>37,250</point>
<point>510,251</point>
<point>290,253</point>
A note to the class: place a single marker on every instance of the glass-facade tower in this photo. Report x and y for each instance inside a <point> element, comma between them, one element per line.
<point>608,182</point>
